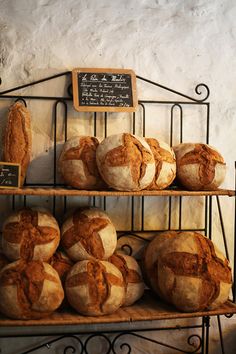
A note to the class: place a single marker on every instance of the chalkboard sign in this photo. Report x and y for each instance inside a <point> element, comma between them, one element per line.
<point>9,175</point>
<point>101,90</point>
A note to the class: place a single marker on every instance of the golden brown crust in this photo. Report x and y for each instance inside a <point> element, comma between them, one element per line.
<point>160,155</point>
<point>201,265</point>
<point>17,140</point>
<point>29,234</point>
<point>207,159</point>
<point>61,263</point>
<point>86,231</point>
<point>84,151</point>
<point>129,275</point>
<point>132,153</point>
<point>99,283</point>
<point>28,277</point>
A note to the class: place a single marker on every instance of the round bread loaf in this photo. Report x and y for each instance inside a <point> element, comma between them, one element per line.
<point>29,290</point>
<point>95,288</point>
<point>77,163</point>
<point>61,263</point>
<point>30,234</point>
<point>188,271</point>
<point>199,166</point>
<point>129,268</point>
<point>87,234</point>
<point>125,162</point>
<point>165,164</point>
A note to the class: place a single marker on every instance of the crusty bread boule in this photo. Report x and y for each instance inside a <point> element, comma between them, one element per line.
<point>187,270</point>
<point>199,166</point>
<point>29,290</point>
<point>95,288</point>
<point>125,162</point>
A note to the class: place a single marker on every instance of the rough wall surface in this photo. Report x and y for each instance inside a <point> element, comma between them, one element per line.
<point>174,42</point>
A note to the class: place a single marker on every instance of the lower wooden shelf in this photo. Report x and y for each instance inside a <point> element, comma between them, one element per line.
<point>149,308</point>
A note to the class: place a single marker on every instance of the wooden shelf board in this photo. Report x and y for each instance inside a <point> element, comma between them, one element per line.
<point>149,308</point>
<point>50,191</point>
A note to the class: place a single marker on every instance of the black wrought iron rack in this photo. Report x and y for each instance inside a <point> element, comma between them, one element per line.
<point>142,319</point>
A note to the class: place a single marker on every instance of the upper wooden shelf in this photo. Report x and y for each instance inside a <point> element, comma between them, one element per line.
<point>51,191</point>
<point>149,308</point>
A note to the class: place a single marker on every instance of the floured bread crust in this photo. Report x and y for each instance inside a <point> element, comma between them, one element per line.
<point>125,162</point>
<point>95,288</point>
<point>129,268</point>
<point>17,140</point>
<point>77,163</point>
<point>187,270</point>
<point>29,290</point>
<point>88,234</point>
<point>165,163</point>
<point>199,166</point>
<point>30,234</point>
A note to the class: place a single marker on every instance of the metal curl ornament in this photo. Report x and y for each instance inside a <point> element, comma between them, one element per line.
<point>130,249</point>
<point>198,91</point>
<point>191,342</point>
<point>97,335</point>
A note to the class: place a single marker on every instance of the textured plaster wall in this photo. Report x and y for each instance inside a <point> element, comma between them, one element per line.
<point>174,42</point>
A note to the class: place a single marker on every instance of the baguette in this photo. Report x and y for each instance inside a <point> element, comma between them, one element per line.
<point>17,140</point>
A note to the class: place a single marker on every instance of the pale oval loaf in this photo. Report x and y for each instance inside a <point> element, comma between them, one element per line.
<point>125,162</point>
<point>30,234</point>
<point>187,270</point>
<point>95,288</point>
<point>29,290</point>
<point>17,139</point>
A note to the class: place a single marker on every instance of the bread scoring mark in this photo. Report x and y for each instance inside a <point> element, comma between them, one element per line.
<point>28,277</point>
<point>86,152</point>
<point>28,234</point>
<point>207,159</point>
<point>133,154</point>
<point>99,283</point>
<point>129,275</point>
<point>160,155</point>
<point>86,231</point>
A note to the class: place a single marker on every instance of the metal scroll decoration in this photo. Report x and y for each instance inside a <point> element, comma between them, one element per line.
<point>111,345</point>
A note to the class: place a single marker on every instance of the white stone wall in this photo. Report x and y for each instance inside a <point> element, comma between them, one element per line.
<point>177,43</point>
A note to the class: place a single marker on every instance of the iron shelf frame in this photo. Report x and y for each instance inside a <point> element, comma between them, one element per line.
<point>176,105</point>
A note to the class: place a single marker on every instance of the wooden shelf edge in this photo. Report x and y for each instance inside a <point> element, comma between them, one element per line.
<point>149,308</point>
<point>49,191</point>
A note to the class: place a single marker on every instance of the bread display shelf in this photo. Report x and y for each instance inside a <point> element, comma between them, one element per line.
<point>149,308</point>
<point>49,191</point>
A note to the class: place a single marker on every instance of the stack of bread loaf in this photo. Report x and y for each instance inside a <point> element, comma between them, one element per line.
<point>127,162</point>
<point>35,274</point>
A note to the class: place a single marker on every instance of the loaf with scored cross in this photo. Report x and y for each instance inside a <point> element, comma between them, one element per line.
<point>17,144</point>
<point>61,263</point>
<point>125,162</point>
<point>30,234</point>
<point>165,164</point>
<point>199,166</point>
<point>95,288</point>
<point>133,280</point>
<point>88,233</point>
<point>187,270</point>
<point>77,163</point>
<point>29,290</point>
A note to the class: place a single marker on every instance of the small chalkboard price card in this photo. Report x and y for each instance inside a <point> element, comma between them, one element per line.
<point>9,175</point>
<point>104,90</point>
